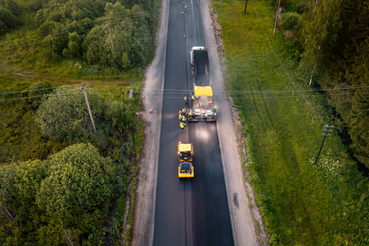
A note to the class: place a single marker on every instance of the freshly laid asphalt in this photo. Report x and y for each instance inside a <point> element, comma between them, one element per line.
<point>188,212</point>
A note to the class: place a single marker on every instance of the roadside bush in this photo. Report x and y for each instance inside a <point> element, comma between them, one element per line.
<point>3,27</point>
<point>35,93</point>
<point>290,26</point>
<point>9,19</point>
<point>64,116</point>
<point>290,21</point>
<point>274,3</point>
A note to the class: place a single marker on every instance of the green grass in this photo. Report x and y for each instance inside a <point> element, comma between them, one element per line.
<point>139,139</point>
<point>301,204</point>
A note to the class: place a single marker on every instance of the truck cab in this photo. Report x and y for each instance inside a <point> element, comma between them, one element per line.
<point>185,151</point>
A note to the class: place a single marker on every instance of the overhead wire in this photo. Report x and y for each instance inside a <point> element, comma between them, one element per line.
<point>24,91</point>
<point>238,92</point>
<point>173,94</point>
<point>114,20</point>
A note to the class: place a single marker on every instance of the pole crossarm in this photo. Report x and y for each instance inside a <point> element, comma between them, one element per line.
<point>326,133</point>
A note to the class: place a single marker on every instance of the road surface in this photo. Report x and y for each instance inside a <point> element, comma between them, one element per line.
<point>188,212</point>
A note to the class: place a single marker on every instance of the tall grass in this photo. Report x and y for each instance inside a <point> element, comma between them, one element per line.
<point>301,204</point>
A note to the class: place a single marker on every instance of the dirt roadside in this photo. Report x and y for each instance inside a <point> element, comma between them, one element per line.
<point>152,97</point>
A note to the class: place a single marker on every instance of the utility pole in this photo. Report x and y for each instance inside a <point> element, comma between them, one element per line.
<point>245,6</point>
<point>276,16</point>
<point>88,106</point>
<point>325,134</point>
<point>111,38</point>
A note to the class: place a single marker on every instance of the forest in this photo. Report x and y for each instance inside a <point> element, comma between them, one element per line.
<point>333,40</point>
<point>66,179</point>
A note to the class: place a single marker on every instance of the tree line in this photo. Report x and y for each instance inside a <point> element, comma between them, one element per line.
<point>9,12</point>
<point>79,29</point>
<point>69,29</point>
<point>332,44</point>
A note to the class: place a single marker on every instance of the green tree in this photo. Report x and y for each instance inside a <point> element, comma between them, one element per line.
<point>319,36</point>
<point>8,18</point>
<point>19,186</point>
<point>64,116</point>
<point>3,27</point>
<point>10,5</point>
<point>38,4</point>
<point>347,67</point>
<point>97,47</point>
<point>74,43</point>
<point>78,190</point>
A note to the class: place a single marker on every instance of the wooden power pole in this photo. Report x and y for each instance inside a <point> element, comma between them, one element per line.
<point>88,106</point>
<point>325,134</point>
<point>245,6</point>
<point>276,16</point>
<point>111,38</point>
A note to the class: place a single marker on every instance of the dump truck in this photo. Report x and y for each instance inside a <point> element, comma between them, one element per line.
<point>200,65</point>
<point>202,107</point>
<point>185,151</point>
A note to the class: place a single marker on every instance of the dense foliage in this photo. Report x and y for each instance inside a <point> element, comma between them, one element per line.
<point>64,115</point>
<point>53,194</point>
<point>131,37</point>
<point>62,199</point>
<point>334,43</point>
<point>79,29</point>
<point>21,138</point>
<point>9,10</point>
<point>56,215</point>
<point>75,36</point>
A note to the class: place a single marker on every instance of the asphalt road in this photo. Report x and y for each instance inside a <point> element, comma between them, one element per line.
<point>188,212</point>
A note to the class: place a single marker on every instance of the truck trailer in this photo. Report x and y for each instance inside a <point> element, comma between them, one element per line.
<point>200,65</point>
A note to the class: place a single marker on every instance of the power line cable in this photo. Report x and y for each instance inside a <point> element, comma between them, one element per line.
<point>246,92</point>
<point>24,91</point>
<point>166,96</point>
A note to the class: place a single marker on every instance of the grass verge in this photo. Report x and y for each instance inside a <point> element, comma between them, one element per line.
<point>301,203</point>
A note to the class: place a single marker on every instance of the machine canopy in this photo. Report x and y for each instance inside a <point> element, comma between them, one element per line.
<point>185,147</point>
<point>203,91</point>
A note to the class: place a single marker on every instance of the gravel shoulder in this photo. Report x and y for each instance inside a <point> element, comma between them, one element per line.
<point>152,97</point>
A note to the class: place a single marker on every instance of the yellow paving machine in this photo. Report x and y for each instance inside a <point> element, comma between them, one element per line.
<point>203,105</point>
<point>185,151</point>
